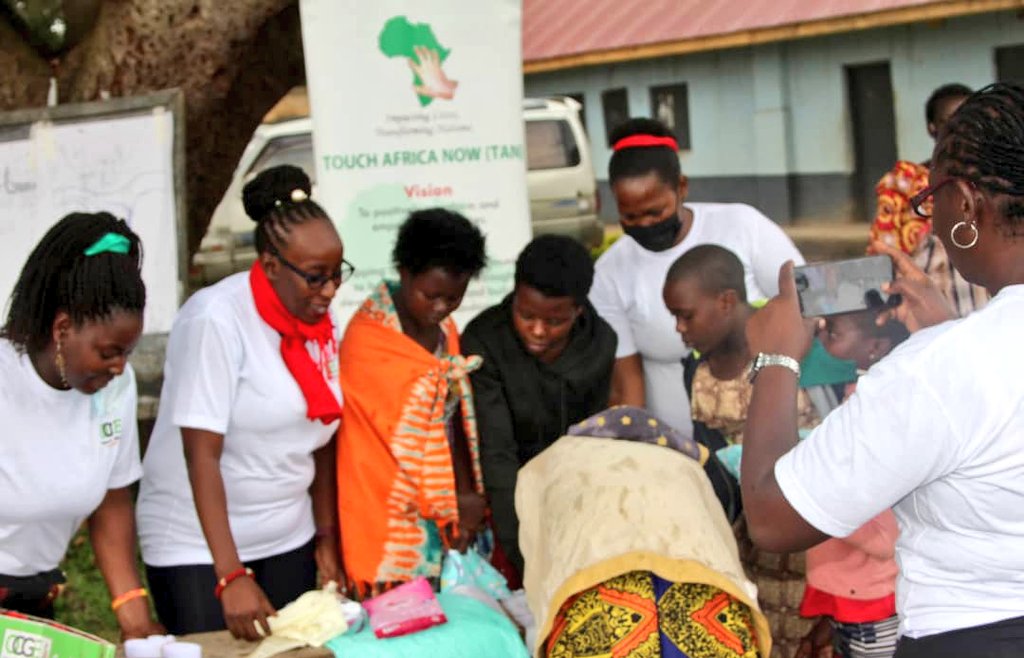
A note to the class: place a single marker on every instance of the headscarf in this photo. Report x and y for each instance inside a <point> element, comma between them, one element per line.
<point>636,424</point>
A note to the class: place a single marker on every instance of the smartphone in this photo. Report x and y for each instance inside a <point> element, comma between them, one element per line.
<point>844,286</point>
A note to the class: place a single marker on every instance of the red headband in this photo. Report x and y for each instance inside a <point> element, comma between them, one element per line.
<point>634,141</point>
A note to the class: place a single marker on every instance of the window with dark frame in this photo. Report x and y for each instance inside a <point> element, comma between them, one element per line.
<point>615,107</point>
<point>1010,64</point>
<point>670,104</point>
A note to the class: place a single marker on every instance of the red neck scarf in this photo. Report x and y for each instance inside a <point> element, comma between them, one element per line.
<point>321,403</point>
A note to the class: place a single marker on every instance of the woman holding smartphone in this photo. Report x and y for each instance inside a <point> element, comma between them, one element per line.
<point>936,429</point>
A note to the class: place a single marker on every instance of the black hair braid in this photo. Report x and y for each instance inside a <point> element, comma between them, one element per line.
<point>984,143</point>
<point>276,224</point>
<point>58,276</point>
<point>277,199</point>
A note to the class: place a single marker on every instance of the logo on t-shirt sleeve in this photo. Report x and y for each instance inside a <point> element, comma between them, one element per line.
<point>110,431</point>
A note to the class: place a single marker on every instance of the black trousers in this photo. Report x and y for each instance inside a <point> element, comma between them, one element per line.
<point>28,606</point>
<point>184,597</point>
<point>31,595</point>
<point>1003,639</point>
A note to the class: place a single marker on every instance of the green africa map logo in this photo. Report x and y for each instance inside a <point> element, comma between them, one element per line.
<point>418,45</point>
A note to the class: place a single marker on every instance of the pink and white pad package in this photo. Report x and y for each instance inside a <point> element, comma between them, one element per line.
<point>406,609</point>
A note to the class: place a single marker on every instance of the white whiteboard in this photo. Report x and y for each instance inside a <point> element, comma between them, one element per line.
<point>122,157</point>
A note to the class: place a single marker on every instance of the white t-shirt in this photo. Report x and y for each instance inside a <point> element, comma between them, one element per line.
<point>60,452</point>
<point>936,431</point>
<point>628,283</point>
<point>225,374</point>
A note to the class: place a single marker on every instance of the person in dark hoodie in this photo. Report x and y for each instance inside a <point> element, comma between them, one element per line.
<point>548,361</point>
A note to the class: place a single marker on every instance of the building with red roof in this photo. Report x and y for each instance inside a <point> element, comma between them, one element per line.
<point>794,107</point>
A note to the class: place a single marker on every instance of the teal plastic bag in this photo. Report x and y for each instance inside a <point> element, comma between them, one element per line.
<point>470,569</point>
<point>472,630</point>
<point>732,456</point>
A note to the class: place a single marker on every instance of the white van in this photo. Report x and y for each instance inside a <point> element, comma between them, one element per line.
<point>560,178</point>
<point>560,172</point>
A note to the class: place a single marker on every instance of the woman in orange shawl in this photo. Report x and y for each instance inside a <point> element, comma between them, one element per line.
<point>898,224</point>
<point>408,462</point>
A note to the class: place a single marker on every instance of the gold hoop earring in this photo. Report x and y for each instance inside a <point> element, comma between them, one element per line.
<point>957,227</point>
<point>58,359</point>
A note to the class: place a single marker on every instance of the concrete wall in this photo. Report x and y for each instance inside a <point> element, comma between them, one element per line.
<point>770,124</point>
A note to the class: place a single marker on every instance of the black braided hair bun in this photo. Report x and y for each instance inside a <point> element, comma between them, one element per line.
<point>271,186</point>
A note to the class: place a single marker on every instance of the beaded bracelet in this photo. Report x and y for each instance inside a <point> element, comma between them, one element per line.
<point>128,596</point>
<point>230,578</point>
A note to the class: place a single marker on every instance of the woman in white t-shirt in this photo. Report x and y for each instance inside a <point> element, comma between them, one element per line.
<point>935,430</point>
<point>659,226</point>
<point>237,509</point>
<point>69,451</point>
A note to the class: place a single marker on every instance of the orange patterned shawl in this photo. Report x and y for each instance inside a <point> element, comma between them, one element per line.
<point>896,223</point>
<point>396,483</point>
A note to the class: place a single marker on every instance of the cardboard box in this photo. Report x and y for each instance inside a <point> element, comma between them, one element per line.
<point>23,636</point>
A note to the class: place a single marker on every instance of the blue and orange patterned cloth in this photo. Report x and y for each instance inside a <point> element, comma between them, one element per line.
<point>628,554</point>
<point>640,615</point>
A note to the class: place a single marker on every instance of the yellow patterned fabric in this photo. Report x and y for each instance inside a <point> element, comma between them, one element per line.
<point>594,509</point>
<point>639,615</point>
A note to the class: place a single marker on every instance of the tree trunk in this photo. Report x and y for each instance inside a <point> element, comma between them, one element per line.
<point>233,59</point>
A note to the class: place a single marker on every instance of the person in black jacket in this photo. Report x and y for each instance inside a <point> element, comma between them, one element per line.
<point>548,361</point>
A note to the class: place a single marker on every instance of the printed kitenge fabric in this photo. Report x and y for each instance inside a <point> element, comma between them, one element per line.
<point>898,225</point>
<point>396,486</point>
<point>722,404</point>
<point>639,615</point>
<point>594,509</point>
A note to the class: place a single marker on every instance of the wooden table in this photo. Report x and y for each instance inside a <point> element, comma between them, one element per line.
<point>222,645</point>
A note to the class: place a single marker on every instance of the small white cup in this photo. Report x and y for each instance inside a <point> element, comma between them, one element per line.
<point>141,648</point>
<point>182,650</point>
<point>160,640</point>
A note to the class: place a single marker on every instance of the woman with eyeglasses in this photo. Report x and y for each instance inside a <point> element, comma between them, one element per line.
<point>935,430</point>
<point>237,510</point>
<point>408,455</point>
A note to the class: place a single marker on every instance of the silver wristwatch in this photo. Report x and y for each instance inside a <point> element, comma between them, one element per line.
<point>764,360</point>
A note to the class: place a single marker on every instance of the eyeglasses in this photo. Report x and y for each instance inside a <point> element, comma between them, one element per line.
<point>918,200</point>
<point>315,281</point>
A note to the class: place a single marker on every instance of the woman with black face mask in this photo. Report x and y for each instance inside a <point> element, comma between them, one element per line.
<point>659,226</point>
